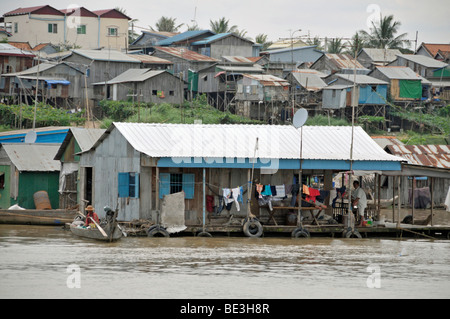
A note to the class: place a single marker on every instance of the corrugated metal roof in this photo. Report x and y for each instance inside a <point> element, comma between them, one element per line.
<point>20,11</point>
<point>423,60</point>
<point>244,69</point>
<point>361,79</point>
<point>384,141</point>
<point>183,36</point>
<point>211,39</point>
<point>7,49</point>
<point>85,138</point>
<point>186,54</point>
<point>133,75</point>
<point>433,48</point>
<point>425,155</point>
<point>309,81</point>
<point>148,59</point>
<point>106,55</point>
<point>344,61</point>
<point>268,79</point>
<point>398,72</point>
<point>33,157</point>
<point>382,55</point>
<point>238,141</point>
<point>238,59</point>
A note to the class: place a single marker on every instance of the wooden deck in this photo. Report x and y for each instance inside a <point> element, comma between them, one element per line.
<point>53,217</point>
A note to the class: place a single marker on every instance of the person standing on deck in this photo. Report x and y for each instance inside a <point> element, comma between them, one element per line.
<point>90,213</point>
<point>359,200</point>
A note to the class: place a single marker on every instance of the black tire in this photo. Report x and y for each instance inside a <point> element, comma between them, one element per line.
<point>300,233</point>
<point>204,234</point>
<point>157,231</point>
<point>253,228</point>
<point>352,234</point>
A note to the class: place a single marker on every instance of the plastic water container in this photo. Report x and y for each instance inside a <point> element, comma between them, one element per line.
<point>41,200</point>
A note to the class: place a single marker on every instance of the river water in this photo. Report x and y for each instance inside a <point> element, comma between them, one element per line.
<point>49,262</point>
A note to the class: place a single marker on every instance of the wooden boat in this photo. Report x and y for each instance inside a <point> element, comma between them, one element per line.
<point>112,233</point>
<point>108,231</point>
<point>54,217</point>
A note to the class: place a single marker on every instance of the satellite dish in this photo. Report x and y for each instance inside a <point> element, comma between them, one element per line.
<point>30,137</point>
<point>300,118</point>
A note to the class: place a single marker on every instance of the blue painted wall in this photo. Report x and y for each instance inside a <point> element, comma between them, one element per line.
<point>368,96</point>
<point>52,136</point>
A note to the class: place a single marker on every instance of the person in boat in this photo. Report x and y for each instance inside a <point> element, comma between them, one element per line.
<point>359,201</point>
<point>91,213</point>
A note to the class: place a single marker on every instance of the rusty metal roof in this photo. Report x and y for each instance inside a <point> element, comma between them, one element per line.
<point>424,155</point>
<point>267,79</point>
<point>186,54</point>
<point>344,61</point>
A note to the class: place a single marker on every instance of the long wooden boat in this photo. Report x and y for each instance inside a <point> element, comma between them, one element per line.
<point>54,217</point>
<point>113,232</point>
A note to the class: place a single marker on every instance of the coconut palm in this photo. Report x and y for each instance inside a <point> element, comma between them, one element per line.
<point>383,34</point>
<point>222,26</point>
<point>262,39</point>
<point>335,46</point>
<point>166,24</point>
<point>356,44</point>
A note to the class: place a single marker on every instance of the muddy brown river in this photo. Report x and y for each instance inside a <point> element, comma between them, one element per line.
<point>49,262</point>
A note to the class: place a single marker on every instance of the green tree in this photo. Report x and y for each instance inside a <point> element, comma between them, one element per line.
<point>315,41</point>
<point>262,39</point>
<point>383,34</point>
<point>167,24</point>
<point>356,44</point>
<point>222,26</point>
<point>335,46</point>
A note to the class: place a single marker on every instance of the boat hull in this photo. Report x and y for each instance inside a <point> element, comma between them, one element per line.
<point>94,233</point>
<point>36,217</point>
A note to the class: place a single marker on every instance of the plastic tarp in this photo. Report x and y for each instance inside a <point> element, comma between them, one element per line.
<point>410,89</point>
<point>63,82</point>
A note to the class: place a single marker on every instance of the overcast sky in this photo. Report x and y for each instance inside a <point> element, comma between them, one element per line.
<point>276,18</point>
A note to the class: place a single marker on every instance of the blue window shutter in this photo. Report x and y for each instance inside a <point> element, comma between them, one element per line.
<point>164,184</point>
<point>136,185</point>
<point>124,184</point>
<point>188,185</point>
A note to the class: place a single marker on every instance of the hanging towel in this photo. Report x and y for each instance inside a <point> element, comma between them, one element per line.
<point>280,189</point>
<point>313,193</point>
<point>259,189</point>
<point>305,190</point>
<point>227,196</point>
<point>241,192</point>
<point>235,194</point>
<point>267,191</point>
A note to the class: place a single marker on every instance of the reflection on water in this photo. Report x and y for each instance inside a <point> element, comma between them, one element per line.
<point>34,262</point>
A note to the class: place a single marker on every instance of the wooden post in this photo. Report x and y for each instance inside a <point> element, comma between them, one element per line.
<point>204,198</point>
<point>413,188</point>
<point>157,189</point>
<point>399,200</point>
<point>379,197</point>
<point>432,198</point>
<point>393,198</point>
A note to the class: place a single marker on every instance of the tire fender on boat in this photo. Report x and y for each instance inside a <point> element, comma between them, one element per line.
<point>300,232</point>
<point>156,230</point>
<point>252,228</point>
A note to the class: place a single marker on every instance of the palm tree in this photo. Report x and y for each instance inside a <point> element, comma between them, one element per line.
<point>222,26</point>
<point>356,44</point>
<point>166,24</point>
<point>383,34</point>
<point>335,46</point>
<point>315,41</point>
<point>262,39</point>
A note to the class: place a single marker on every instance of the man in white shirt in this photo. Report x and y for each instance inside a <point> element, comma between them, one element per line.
<point>359,199</point>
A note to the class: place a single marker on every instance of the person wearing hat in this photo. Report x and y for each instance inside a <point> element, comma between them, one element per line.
<point>90,213</point>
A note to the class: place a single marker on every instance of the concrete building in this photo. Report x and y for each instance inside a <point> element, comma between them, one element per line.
<point>72,27</point>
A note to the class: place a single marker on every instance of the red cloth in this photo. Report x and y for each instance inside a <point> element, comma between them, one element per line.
<point>210,203</point>
<point>313,193</point>
<point>89,221</point>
